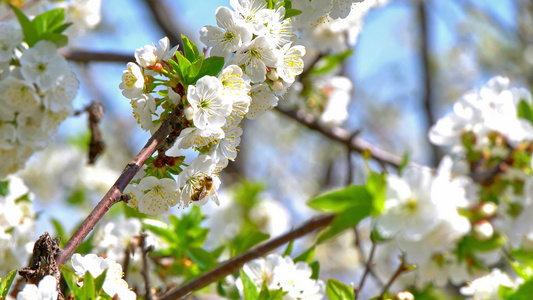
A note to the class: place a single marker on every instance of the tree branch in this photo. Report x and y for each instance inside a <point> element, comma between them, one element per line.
<point>426,79</point>
<point>95,56</point>
<point>233,265</point>
<point>164,19</point>
<point>114,194</point>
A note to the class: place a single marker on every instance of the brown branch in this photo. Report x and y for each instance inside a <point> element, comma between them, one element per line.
<point>233,265</point>
<point>368,268</point>
<point>114,194</point>
<point>95,56</point>
<point>164,20</point>
<point>403,268</point>
<point>426,74</point>
<point>340,135</point>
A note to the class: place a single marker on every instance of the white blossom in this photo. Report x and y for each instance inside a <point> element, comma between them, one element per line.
<point>210,108</point>
<point>18,96</point>
<point>487,287</point>
<point>263,99</point>
<point>199,182</point>
<point>47,290</point>
<point>256,56</point>
<point>157,195</point>
<point>41,64</point>
<point>291,63</point>
<point>149,55</point>
<point>10,38</point>
<point>132,81</point>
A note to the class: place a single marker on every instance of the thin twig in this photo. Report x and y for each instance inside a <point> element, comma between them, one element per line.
<point>146,249</point>
<point>368,267</point>
<point>233,265</point>
<point>401,269</point>
<point>114,194</point>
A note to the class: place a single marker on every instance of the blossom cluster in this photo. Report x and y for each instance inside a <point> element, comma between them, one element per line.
<point>37,87</point>
<point>260,64</point>
<point>453,224</point>
<point>281,272</point>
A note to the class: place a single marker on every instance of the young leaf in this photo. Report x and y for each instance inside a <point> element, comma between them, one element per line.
<point>4,188</point>
<point>291,12</point>
<point>160,229</point>
<point>307,256</point>
<point>525,111</point>
<point>330,62</point>
<point>337,290</point>
<point>347,219</point>
<point>250,289</point>
<point>60,40</point>
<point>72,282</point>
<point>194,70</point>
<point>339,200</point>
<point>49,20</point>
<point>315,266</point>
<point>210,67</point>
<point>377,187</point>
<point>184,64</point>
<point>524,292</point>
<point>30,34</point>
<point>99,282</point>
<point>5,283</point>
<point>189,49</point>
<point>288,250</point>
<point>60,231</point>
<point>175,67</point>
<point>201,257</point>
<point>88,286</point>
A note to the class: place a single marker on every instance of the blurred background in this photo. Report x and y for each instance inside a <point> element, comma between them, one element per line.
<point>411,61</point>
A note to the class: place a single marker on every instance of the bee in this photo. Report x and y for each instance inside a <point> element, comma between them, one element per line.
<point>206,186</point>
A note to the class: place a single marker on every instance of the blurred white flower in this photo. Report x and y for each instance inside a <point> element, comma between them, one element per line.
<point>487,287</point>
<point>41,64</point>
<point>47,290</point>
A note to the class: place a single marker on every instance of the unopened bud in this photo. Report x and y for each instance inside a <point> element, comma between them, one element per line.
<point>189,112</point>
<point>405,295</point>
<point>277,86</point>
<point>272,74</point>
<point>488,209</point>
<point>158,67</point>
<point>483,230</point>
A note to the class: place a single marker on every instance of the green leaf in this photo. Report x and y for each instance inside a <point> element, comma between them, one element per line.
<point>72,282</point>
<point>194,70</point>
<point>160,229</point>
<point>337,290</point>
<point>4,188</point>
<point>76,197</point>
<point>49,20</point>
<point>330,62</point>
<point>250,289</point>
<point>347,219</point>
<point>525,111</point>
<point>377,187</point>
<point>271,4</point>
<point>340,200</point>
<point>307,256</point>
<point>6,282</point>
<point>99,282</point>
<point>288,250</point>
<point>291,12</point>
<point>524,292</point>
<point>30,33</point>
<point>184,64</point>
<point>201,257</point>
<point>175,67</point>
<point>189,49</point>
<point>210,67</point>
<point>60,40</point>
<point>88,286</point>
<point>315,266</point>
<point>267,294</point>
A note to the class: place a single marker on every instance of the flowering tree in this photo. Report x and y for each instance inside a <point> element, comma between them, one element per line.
<point>459,228</point>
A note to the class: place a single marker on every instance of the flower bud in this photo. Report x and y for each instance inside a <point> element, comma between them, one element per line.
<point>189,112</point>
<point>277,86</point>
<point>158,67</point>
<point>272,74</point>
<point>483,230</point>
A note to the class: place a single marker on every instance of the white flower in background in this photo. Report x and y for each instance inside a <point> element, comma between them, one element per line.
<point>487,287</point>
<point>226,148</point>
<point>291,64</point>
<point>342,8</point>
<point>83,14</point>
<point>199,182</point>
<point>41,64</point>
<point>277,30</point>
<point>338,92</point>
<point>116,236</point>
<point>409,207</point>
<point>263,99</point>
<point>271,216</point>
<point>157,195</point>
<point>197,138</point>
<point>249,12</point>
<point>281,272</point>
<point>113,282</point>
<point>47,290</point>
<point>132,81</point>
<point>60,96</point>
<point>10,37</point>
<point>143,108</point>
<point>17,95</point>
<point>224,221</point>
<point>255,57</point>
<point>149,55</point>
<point>35,130</point>
<point>210,108</point>
<point>228,37</point>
